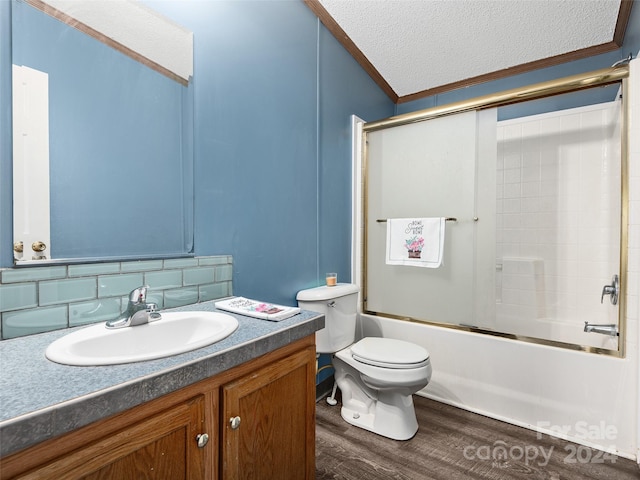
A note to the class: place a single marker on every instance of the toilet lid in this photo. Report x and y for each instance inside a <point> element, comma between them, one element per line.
<point>389,353</point>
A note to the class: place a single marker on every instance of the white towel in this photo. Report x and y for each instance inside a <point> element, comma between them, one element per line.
<point>418,242</point>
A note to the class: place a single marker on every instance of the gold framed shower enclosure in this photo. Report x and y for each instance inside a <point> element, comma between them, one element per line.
<point>603,77</point>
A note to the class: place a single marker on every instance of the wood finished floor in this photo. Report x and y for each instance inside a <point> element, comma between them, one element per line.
<point>451,444</point>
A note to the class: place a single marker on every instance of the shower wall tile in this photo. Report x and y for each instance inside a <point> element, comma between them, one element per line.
<point>532,173</point>
<point>633,294</point>
<point>634,214</point>
<point>634,189</point>
<point>512,175</point>
<point>512,190</point>
<point>38,299</point>
<point>554,208</point>
<point>511,205</point>
<point>512,161</point>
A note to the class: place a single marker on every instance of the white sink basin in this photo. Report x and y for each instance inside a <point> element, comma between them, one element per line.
<point>174,333</point>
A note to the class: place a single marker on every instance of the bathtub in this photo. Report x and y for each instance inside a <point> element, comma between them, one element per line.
<point>582,397</point>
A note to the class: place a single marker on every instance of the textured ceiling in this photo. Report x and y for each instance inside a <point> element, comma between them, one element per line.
<point>420,45</point>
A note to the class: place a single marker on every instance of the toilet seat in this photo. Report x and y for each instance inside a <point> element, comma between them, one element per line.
<point>389,353</point>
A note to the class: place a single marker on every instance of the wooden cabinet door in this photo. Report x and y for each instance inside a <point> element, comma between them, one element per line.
<point>275,437</point>
<point>160,447</point>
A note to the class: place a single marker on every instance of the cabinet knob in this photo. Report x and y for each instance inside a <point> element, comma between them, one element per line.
<point>235,422</point>
<point>202,440</point>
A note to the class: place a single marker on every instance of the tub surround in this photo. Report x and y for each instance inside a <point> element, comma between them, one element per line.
<point>40,399</point>
<point>529,385</point>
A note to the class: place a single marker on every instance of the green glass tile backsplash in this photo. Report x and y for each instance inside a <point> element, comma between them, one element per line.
<point>36,320</point>
<point>114,285</point>
<point>65,291</point>
<point>17,296</point>
<point>39,299</point>
<point>199,276</point>
<point>164,278</point>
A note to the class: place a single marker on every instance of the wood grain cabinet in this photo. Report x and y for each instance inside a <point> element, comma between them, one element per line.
<point>258,418</point>
<point>270,423</point>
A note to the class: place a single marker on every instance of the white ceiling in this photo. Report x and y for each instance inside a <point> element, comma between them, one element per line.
<point>418,45</point>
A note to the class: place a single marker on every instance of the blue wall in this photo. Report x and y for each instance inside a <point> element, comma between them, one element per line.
<point>6,145</point>
<point>274,93</point>
<point>341,95</point>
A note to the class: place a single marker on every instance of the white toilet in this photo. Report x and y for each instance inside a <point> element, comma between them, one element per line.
<point>377,376</point>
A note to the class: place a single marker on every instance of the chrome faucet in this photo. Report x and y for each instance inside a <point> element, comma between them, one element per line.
<point>138,311</point>
<point>610,329</point>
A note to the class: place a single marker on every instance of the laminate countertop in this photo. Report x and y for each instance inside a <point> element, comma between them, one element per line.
<point>40,399</point>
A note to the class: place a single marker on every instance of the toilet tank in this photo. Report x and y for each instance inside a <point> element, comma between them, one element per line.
<point>339,306</point>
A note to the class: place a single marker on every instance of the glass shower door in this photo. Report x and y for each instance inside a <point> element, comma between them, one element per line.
<point>428,169</point>
<point>535,248</point>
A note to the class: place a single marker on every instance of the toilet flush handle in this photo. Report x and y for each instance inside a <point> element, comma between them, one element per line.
<point>331,304</point>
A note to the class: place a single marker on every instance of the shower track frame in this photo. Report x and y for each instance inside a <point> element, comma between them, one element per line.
<point>602,77</point>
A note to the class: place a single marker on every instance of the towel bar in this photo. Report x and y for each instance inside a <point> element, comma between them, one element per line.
<point>448,219</point>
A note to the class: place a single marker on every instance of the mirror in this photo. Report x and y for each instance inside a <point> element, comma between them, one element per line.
<point>119,145</point>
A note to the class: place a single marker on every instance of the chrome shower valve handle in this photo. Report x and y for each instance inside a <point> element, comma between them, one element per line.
<point>612,290</point>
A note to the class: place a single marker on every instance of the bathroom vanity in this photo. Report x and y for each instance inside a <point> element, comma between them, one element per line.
<point>243,408</point>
